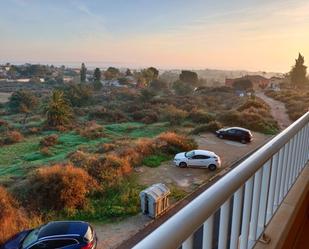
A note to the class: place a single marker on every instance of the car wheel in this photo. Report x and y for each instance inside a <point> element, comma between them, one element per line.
<point>220,136</point>
<point>212,167</point>
<point>243,141</point>
<point>183,165</point>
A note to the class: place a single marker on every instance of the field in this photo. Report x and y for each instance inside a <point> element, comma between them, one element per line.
<point>112,144</point>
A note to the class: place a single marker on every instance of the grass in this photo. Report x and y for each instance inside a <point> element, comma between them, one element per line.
<point>116,203</point>
<point>155,160</point>
<point>135,129</point>
<point>17,159</point>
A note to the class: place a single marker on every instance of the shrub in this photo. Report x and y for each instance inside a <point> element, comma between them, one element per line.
<point>13,137</point>
<point>173,115</point>
<point>50,140</point>
<point>200,116</point>
<point>60,187</point>
<point>210,127</point>
<point>253,103</point>
<point>12,218</point>
<point>170,142</point>
<point>92,130</point>
<point>146,116</point>
<point>107,169</point>
<point>108,115</point>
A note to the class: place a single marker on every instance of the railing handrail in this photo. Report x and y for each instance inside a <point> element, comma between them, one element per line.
<point>190,218</point>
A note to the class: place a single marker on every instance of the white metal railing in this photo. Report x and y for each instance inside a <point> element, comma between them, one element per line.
<point>234,211</point>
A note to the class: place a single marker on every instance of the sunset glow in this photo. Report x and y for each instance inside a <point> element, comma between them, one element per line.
<point>253,35</point>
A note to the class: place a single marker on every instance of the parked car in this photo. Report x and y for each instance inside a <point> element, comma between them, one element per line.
<point>198,158</point>
<point>235,133</point>
<point>56,234</point>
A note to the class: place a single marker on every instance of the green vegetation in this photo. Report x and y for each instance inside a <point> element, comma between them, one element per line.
<point>298,73</point>
<point>155,160</point>
<point>116,203</point>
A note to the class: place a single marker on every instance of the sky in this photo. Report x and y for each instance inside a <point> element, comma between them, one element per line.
<point>262,35</point>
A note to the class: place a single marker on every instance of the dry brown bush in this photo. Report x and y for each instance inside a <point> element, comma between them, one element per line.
<point>108,169</point>
<point>92,130</point>
<point>60,187</point>
<point>48,141</point>
<point>13,137</point>
<point>12,218</point>
<point>170,142</point>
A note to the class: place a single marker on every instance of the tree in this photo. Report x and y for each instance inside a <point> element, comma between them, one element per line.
<point>243,84</point>
<point>23,101</point>
<point>97,74</point>
<point>111,73</point>
<point>189,77</point>
<point>149,75</point>
<point>78,94</point>
<point>83,72</point>
<point>158,85</point>
<point>58,111</point>
<point>146,95</point>
<point>298,72</point>
<point>182,88</point>
<point>128,72</point>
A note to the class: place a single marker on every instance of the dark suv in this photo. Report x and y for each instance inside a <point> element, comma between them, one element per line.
<point>57,234</point>
<point>235,133</point>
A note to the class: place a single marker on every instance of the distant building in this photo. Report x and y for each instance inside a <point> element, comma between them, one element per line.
<point>258,81</point>
<point>274,83</point>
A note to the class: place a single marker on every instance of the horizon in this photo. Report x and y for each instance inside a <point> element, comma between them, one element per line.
<point>256,36</point>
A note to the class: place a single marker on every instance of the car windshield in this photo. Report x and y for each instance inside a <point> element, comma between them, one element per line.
<point>190,153</point>
<point>31,237</point>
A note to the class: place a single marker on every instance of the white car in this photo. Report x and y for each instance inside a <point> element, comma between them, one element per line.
<point>198,158</point>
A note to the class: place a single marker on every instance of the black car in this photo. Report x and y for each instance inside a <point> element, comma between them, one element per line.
<point>235,133</point>
<point>57,234</point>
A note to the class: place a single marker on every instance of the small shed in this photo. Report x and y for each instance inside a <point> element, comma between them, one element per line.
<point>155,200</point>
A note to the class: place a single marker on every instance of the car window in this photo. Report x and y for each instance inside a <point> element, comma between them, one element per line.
<point>30,238</point>
<point>232,131</point>
<point>190,153</point>
<point>204,157</point>
<point>238,132</point>
<point>195,157</point>
<point>89,234</point>
<point>54,244</point>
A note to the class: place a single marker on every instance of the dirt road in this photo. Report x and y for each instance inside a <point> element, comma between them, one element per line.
<point>111,235</point>
<point>278,110</point>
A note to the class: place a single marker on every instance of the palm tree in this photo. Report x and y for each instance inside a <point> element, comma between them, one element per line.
<point>58,111</point>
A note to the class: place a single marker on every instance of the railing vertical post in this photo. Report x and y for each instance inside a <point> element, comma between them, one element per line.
<point>188,243</point>
<point>246,214</point>
<point>264,197</point>
<point>255,204</point>
<point>288,168</point>
<point>296,154</point>
<point>208,232</point>
<point>272,187</point>
<point>294,166</point>
<point>236,217</point>
<point>299,152</point>
<point>278,180</point>
<point>284,166</point>
<point>224,224</point>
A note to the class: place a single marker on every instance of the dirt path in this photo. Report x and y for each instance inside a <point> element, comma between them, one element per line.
<point>278,110</point>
